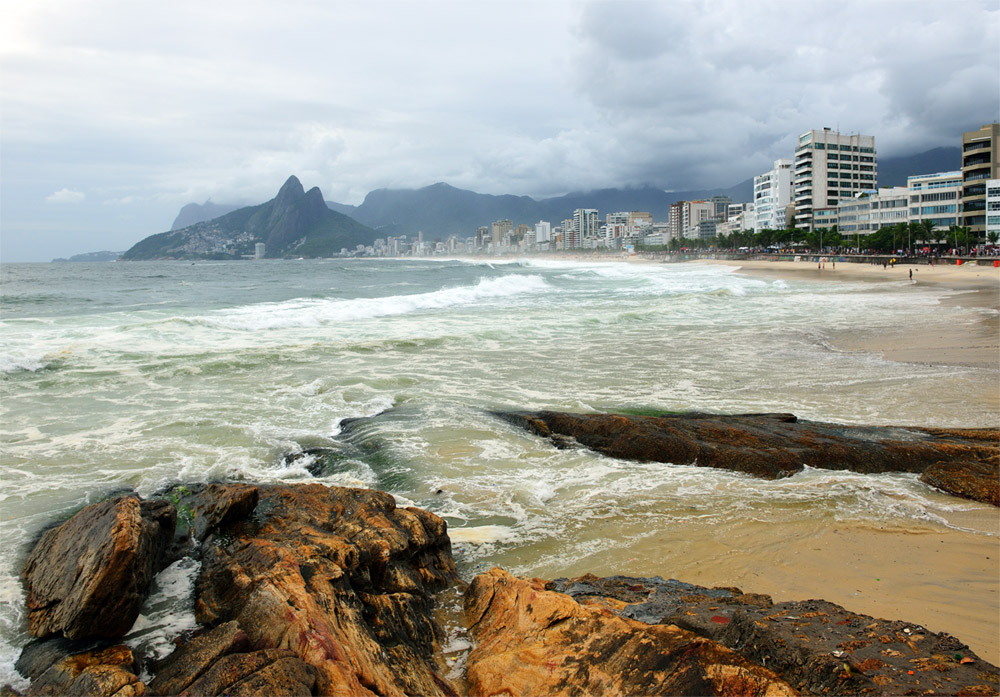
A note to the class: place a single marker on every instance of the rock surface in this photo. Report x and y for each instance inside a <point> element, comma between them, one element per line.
<point>963,462</point>
<point>89,576</point>
<point>537,642</point>
<point>816,646</point>
<point>342,577</point>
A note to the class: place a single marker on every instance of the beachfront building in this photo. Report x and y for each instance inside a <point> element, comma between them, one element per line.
<point>872,211</point>
<point>980,163</point>
<point>772,192</point>
<point>675,220</point>
<point>693,213</point>
<point>936,197</point>
<point>587,225</point>
<point>992,210</point>
<point>830,166</point>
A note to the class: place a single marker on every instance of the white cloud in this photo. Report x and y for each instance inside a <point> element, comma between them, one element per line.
<point>66,196</point>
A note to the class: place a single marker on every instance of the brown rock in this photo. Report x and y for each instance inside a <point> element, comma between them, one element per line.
<point>285,677</point>
<point>210,506</point>
<point>89,576</point>
<point>341,577</point>
<point>965,462</point>
<point>533,642</point>
<point>105,681</point>
<point>814,645</point>
<point>970,480</point>
<point>234,668</point>
<point>190,661</point>
<point>107,669</point>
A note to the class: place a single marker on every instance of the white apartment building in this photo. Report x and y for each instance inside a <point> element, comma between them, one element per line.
<point>936,197</point>
<point>992,208</point>
<point>772,192</point>
<point>830,166</point>
<point>543,232</point>
<point>586,223</point>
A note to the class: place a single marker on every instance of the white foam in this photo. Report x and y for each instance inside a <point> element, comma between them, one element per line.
<point>167,613</point>
<point>318,312</point>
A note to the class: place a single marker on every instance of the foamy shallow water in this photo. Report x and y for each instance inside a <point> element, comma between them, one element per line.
<point>141,374</point>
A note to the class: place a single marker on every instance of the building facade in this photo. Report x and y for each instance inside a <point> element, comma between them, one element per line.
<point>980,163</point>
<point>830,166</point>
<point>992,210</point>
<point>936,197</point>
<point>772,192</point>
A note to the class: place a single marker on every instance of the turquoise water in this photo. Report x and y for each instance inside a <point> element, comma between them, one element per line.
<point>142,374</point>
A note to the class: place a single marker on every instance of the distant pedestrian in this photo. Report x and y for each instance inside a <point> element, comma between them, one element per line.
<point>911,274</point>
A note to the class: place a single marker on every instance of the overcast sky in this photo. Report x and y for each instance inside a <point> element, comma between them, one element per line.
<point>115,113</point>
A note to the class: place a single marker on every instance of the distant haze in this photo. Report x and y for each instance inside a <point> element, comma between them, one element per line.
<point>116,114</point>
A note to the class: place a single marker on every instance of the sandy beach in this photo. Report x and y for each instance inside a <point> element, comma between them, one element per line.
<point>886,572</point>
<point>973,286</point>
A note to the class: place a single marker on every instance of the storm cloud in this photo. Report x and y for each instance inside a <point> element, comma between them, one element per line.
<point>131,110</point>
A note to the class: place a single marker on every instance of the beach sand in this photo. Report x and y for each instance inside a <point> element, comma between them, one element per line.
<point>946,579</point>
<point>974,286</point>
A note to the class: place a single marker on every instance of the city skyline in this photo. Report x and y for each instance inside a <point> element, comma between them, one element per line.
<point>115,116</point>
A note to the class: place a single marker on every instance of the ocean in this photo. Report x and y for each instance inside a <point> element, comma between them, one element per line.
<point>138,375</point>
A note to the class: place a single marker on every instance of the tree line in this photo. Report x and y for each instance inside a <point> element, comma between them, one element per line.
<point>910,237</point>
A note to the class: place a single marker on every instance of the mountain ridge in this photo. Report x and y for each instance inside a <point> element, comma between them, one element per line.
<point>440,210</point>
<point>294,223</point>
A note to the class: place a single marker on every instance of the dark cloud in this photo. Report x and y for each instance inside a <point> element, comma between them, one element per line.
<point>140,110</point>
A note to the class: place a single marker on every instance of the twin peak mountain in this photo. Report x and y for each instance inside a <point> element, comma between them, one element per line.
<point>295,223</point>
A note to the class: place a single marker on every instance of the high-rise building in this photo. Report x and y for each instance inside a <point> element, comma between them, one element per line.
<point>772,191</point>
<point>830,166</point>
<point>543,231</point>
<point>980,163</point>
<point>675,220</point>
<point>586,223</point>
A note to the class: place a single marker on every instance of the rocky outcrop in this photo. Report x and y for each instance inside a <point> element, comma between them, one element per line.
<point>342,577</point>
<point>89,576</point>
<point>537,642</point>
<point>314,590</point>
<point>814,645</point>
<point>963,462</point>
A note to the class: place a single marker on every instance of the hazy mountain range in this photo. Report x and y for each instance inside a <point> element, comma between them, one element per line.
<point>441,210</point>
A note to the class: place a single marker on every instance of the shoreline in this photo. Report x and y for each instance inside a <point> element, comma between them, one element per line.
<point>972,287</point>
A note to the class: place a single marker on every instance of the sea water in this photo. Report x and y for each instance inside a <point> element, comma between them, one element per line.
<point>138,375</point>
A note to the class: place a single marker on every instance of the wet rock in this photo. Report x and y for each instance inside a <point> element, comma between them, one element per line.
<point>342,577</point>
<point>102,671</point>
<point>89,576</point>
<point>968,479</point>
<point>190,661</point>
<point>531,641</point>
<point>816,646</point>
<point>242,672</point>
<point>210,506</point>
<point>965,462</point>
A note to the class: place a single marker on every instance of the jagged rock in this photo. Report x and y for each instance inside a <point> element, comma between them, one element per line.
<point>212,505</point>
<point>270,672</point>
<point>533,642</point>
<point>814,645</point>
<point>965,462</point>
<point>340,576</point>
<point>96,672</point>
<point>190,661</point>
<point>89,576</point>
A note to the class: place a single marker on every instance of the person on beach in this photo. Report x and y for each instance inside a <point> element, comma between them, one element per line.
<point>911,274</point>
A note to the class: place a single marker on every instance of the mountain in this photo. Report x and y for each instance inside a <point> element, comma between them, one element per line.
<point>199,212</point>
<point>92,256</point>
<point>293,223</point>
<point>441,210</point>
<point>893,171</point>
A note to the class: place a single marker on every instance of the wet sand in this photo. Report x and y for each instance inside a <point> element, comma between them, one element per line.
<point>947,579</point>
<point>974,286</point>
